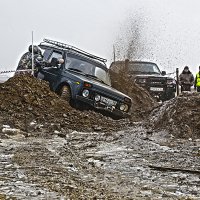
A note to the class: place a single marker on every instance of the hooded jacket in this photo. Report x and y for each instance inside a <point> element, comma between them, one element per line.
<point>186,78</point>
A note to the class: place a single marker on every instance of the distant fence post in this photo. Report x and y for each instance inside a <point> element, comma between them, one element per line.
<point>114,55</point>
<point>126,63</point>
<point>177,81</point>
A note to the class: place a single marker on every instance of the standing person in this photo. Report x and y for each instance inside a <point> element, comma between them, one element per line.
<point>186,79</point>
<point>197,81</point>
<point>26,60</point>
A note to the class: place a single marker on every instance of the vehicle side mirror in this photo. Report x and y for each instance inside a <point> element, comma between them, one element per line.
<point>163,73</point>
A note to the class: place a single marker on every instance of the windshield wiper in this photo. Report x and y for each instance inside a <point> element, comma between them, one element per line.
<point>76,70</point>
<point>136,72</point>
<point>95,77</point>
<point>154,72</point>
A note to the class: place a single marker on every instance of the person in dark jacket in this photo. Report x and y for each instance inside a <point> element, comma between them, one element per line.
<point>186,79</point>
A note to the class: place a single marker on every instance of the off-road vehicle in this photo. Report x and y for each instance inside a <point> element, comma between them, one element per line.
<point>82,79</point>
<point>148,76</point>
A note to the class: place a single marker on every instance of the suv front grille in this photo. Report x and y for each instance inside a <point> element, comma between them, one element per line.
<point>156,81</point>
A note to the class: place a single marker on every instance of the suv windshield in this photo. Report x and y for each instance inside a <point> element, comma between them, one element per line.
<point>89,69</point>
<point>146,68</point>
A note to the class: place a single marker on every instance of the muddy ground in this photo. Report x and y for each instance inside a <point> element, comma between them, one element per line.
<point>143,102</point>
<point>121,165</point>
<point>49,150</point>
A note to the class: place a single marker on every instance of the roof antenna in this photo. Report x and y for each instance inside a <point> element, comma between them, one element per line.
<point>32,57</point>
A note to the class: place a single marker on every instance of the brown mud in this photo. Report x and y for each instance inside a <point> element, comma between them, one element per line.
<point>180,116</point>
<point>142,102</point>
<point>49,150</point>
<point>26,100</point>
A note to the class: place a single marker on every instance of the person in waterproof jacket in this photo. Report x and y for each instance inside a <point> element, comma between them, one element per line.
<point>26,59</point>
<point>186,79</point>
<point>197,81</point>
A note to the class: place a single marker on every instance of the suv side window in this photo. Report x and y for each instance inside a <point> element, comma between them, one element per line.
<point>47,54</point>
<point>55,54</point>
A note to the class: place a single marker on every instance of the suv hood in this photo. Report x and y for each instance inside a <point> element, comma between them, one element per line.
<point>101,87</point>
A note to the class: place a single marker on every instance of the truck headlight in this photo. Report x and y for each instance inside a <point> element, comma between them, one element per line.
<point>171,81</point>
<point>142,80</point>
<point>97,97</point>
<point>85,93</point>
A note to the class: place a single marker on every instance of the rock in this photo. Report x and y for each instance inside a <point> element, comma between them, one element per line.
<point>11,131</point>
<point>33,123</point>
<point>30,108</point>
<point>64,115</point>
<point>16,137</point>
<point>62,135</point>
<point>56,132</point>
<point>6,126</point>
<point>97,128</point>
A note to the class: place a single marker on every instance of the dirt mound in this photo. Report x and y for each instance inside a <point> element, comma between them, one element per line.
<point>142,102</point>
<point>27,102</point>
<point>180,116</point>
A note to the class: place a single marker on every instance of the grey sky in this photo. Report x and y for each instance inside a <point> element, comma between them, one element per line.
<point>170,33</point>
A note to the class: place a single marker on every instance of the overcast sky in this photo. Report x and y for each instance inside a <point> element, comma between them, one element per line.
<point>170,30</point>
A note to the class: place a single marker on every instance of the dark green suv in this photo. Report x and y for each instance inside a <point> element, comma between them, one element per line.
<point>82,79</point>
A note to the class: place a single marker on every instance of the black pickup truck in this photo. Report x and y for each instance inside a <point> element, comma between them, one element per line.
<point>81,78</point>
<point>148,76</point>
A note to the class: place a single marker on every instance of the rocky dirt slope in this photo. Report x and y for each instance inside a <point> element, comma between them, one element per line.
<point>180,116</point>
<point>142,101</point>
<point>28,104</point>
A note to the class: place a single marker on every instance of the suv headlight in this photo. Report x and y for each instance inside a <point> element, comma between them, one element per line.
<point>85,93</point>
<point>124,107</point>
<point>97,97</point>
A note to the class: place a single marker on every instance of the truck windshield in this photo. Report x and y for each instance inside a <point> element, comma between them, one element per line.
<point>87,68</point>
<point>146,68</point>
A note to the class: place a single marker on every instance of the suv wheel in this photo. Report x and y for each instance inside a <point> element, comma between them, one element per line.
<point>65,93</point>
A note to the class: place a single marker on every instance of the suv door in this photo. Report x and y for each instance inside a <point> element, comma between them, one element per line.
<point>51,74</point>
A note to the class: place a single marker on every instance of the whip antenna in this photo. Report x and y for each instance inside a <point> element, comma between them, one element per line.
<point>32,57</point>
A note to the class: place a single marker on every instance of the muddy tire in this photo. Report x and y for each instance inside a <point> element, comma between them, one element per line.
<point>65,93</point>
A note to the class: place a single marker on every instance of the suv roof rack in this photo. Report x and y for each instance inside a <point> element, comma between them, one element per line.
<point>69,47</point>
